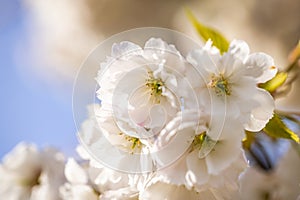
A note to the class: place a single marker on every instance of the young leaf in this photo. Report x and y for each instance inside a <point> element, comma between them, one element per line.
<point>276,128</point>
<point>207,33</point>
<point>275,82</point>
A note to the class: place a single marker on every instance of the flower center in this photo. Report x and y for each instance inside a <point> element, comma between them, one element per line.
<point>198,140</point>
<point>220,85</point>
<point>136,143</point>
<point>34,180</point>
<point>204,144</point>
<point>155,85</point>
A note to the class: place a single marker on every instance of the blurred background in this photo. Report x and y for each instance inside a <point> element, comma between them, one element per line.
<point>44,42</point>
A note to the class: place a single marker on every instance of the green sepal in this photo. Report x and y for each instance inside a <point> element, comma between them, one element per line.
<point>207,33</point>
<point>277,129</point>
<point>248,140</point>
<point>275,82</point>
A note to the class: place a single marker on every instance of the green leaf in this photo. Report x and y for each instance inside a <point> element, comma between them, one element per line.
<point>276,128</point>
<point>207,33</point>
<point>248,140</point>
<point>275,82</point>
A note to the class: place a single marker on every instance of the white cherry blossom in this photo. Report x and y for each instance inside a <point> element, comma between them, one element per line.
<point>91,180</point>
<point>141,90</point>
<point>77,186</point>
<point>281,183</point>
<point>104,140</point>
<point>207,162</point>
<point>229,84</point>
<point>27,173</point>
<point>141,87</point>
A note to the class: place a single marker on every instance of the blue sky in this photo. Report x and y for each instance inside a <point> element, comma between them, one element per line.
<point>31,111</point>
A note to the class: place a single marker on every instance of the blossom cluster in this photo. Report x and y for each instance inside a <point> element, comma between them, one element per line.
<point>161,111</point>
<point>179,121</point>
<point>169,126</point>
<point>27,173</point>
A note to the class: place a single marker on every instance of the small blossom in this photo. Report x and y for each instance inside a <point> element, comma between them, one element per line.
<point>77,186</point>
<point>107,143</point>
<point>281,183</point>
<point>90,180</point>
<point>27,173</point>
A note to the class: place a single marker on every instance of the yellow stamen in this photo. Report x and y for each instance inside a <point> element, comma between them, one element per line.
<point>155,85</point>
<point>220,85</point>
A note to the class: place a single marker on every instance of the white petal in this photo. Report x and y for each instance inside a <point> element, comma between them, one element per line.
<point>263,113</point>
<point>44,191</point>
<point>174,174</point>
<point>204,62</point>
<point>75,173</point>
<point>126,193</point>
<point>159,44</point>
<point>175,148</point>
<point>166,191</point>
<point>223,155</point>
<point>125,48</point>
<point>82,152</point>
<point>222,123</point>
<point>288,174</point>
<point>255,184</point>
<point>78,192</point>
<point>23,159</point>
<point>261,66</point>
<point>197,167</point>
<point>239,49</point>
